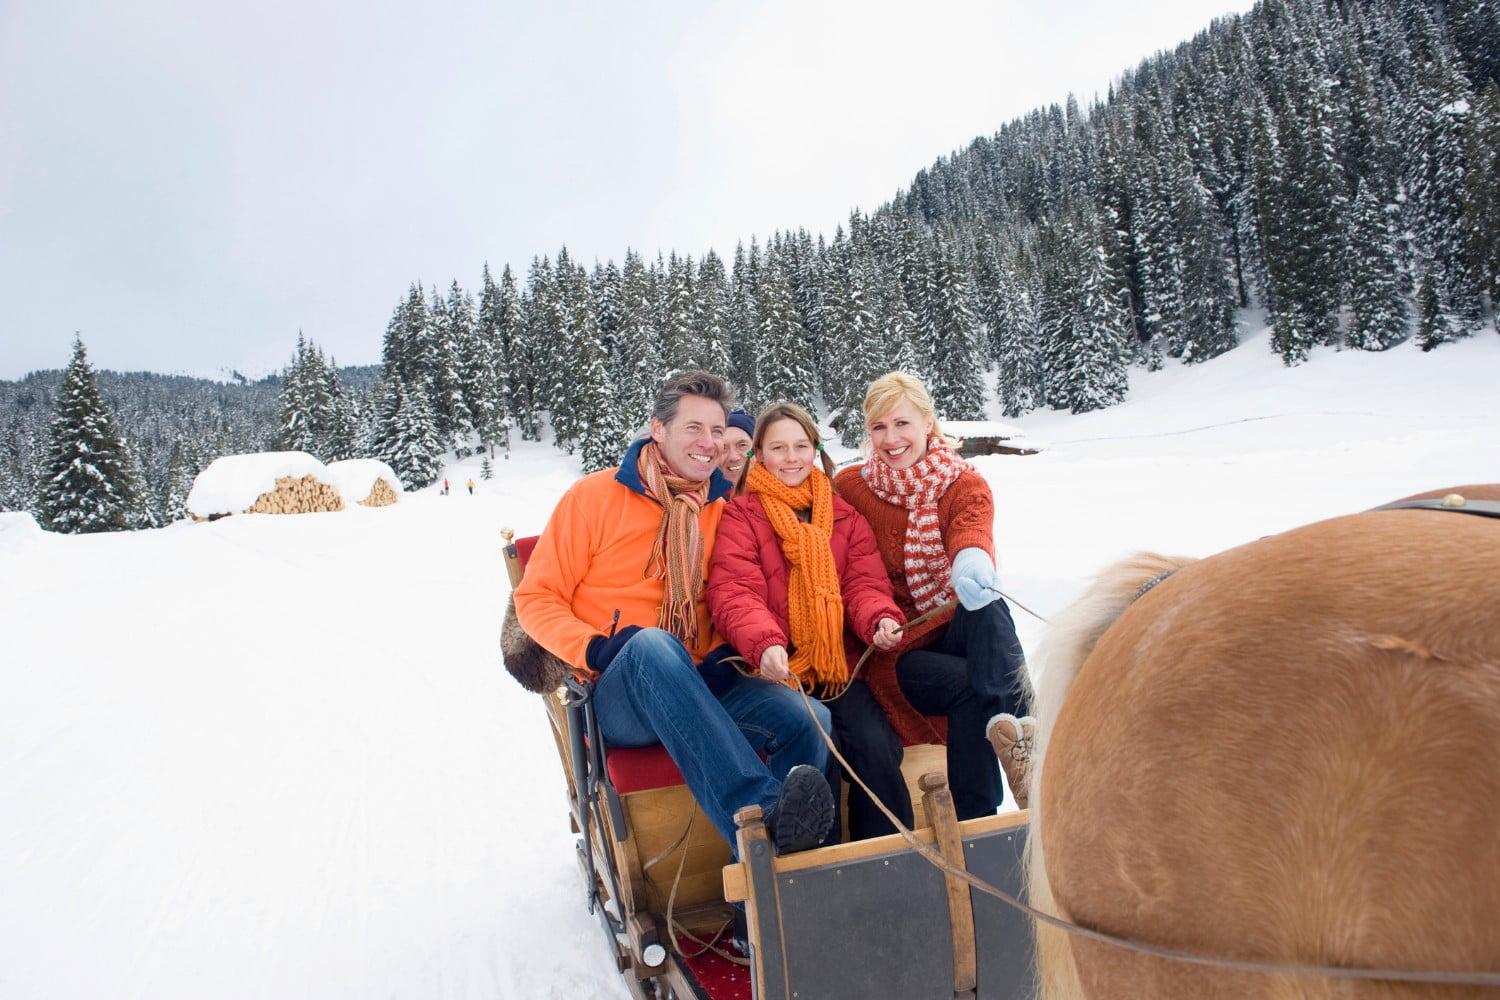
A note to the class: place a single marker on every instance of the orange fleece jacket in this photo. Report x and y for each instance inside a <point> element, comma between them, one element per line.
<point>591,560</point>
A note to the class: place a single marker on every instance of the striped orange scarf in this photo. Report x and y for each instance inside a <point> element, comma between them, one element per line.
<point>815,608</point>
<point>677,555</point>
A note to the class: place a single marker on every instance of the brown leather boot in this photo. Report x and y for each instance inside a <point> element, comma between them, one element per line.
<point>1013,740</point>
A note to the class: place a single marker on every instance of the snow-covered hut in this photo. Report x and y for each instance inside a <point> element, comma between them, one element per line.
<point>368,482</point>
<point>271,482</point>
<point>989,437</point>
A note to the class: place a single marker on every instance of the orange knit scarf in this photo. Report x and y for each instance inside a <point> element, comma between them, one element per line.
<point>815,608</point>
<point>677,555</point>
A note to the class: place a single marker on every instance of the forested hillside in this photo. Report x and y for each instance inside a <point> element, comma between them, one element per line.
<point>1337,163</point>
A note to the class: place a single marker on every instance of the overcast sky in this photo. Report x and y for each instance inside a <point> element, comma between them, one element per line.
<point>187,183</point>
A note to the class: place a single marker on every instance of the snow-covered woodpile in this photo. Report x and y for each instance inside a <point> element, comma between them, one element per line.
<point>365,481</point>
<point>288,482</point>
<point>381,495</point>
<point>297,496</point>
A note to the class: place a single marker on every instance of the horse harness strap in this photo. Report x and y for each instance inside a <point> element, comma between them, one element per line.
<point>1453,503</point>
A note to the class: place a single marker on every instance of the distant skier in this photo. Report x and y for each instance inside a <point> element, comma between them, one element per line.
<point>471,487</point>
<point>445,487</point>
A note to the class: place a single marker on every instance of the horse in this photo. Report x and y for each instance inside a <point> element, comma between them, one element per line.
<point>1288,752</point>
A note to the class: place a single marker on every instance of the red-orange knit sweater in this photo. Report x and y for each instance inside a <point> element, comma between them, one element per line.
<point>966,519</point>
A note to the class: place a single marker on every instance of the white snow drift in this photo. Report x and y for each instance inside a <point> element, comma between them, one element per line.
<point>213,786</point>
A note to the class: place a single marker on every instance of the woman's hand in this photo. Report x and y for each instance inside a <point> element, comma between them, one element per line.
<point>974,579</point>
<point>773,664</point>
<point>887,634</point>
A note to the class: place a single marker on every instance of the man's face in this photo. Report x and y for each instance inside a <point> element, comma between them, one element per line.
<point>690,441</point>
<point>732,451</point>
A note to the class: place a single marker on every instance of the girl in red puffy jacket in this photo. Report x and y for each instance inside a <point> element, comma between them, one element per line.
<point>797,586</point>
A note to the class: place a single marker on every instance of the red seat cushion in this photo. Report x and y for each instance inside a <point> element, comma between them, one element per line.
<point>642,768</point>
<point>721,979</point>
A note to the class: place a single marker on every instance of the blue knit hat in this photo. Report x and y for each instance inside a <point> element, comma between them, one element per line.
<point>743,420</point>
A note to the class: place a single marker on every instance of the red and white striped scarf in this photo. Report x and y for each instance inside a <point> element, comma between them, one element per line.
<point>929,573</point>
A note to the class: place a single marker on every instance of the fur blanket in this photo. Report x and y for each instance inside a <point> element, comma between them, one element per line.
<point>536,669</point>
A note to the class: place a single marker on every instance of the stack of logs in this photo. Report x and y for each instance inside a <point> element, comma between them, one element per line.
<point>381,495</point>
<point>297,496</point>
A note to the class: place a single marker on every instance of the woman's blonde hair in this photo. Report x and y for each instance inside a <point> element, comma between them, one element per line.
<point>891,389</point>
<point>784,411</point>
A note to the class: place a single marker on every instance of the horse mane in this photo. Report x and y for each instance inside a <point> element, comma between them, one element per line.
<point>1071,636</point>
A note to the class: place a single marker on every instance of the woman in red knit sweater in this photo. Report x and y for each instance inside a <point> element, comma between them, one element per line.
<point>797,587</point>
<point>933,517</point>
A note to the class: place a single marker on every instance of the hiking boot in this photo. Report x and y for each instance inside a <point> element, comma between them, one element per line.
<point>803,812</point>
<point>1013,740</point>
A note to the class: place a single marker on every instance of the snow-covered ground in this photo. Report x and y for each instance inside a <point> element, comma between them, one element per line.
<point>278,756</point>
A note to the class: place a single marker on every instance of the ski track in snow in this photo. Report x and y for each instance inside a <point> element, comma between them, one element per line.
<point>278,756</point>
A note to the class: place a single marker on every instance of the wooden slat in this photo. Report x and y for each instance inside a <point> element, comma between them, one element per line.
<point>939,802</point>
<point>734,875</point>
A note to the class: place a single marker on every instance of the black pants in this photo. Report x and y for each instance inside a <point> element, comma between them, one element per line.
<point>866,739</point>
<point>973,671</point>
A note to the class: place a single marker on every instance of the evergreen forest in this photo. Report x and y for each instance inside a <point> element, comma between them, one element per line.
<point>1335,163</point>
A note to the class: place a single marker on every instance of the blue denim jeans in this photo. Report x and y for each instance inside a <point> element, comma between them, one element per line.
<point>652,693</point>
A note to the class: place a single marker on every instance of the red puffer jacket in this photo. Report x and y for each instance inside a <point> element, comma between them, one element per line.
<point>747,580</point>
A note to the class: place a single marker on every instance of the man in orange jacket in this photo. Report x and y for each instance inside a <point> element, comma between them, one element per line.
<point>615,588</point>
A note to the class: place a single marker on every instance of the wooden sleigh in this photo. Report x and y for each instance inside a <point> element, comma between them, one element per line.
<point>864,920</point>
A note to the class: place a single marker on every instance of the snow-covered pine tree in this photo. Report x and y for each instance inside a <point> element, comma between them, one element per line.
<point>639,366</point>
<point>1474,26</point>
<point>467,372</point>
<point>710,350</point>
<point>1096,376</point>
<point>539,323</point>
<point>1290,336</point>
<point>1158,251</point>
<point>1019,363</point>
<point>604,286</point>
<point>784,367</point>
<point>853,344</point>
<point>1435,326</point>
<point>914,267</point>
<point>1379,309</point>
<point>1437,185</point>
<point>599,423</point>
<point>680,315</point>
<point>485,368</point>
<point>400,354</point>
<point>570,311</point>
<point>743,355</point>
<point>957,373</point>
<point>89,481</point>
<point>181,471</point>
<point>297,432</point>
<point>1209,297</point>
<point>516,358</point>
<point>486,468</point>
<point>1313,200</point>
<point>407,438</point>
<point>1482,190</point>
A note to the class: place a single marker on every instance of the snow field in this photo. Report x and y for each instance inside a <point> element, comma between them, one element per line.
<point>278,756</point>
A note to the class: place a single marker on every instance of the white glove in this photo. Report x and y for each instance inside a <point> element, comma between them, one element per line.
<point>974,578</point>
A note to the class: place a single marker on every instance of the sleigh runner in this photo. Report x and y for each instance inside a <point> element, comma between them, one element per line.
<point>867,919</point>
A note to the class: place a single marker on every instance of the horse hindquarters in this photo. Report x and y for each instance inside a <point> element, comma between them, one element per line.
<point>1286,753</point>
<point>1070,638</point>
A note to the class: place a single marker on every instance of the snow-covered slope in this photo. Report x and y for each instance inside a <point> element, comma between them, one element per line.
<point>278,756</point>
